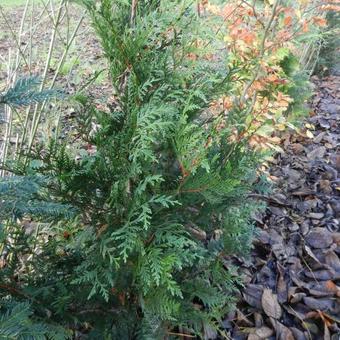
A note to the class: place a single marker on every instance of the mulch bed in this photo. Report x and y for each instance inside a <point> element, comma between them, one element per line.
<point>292,278</point>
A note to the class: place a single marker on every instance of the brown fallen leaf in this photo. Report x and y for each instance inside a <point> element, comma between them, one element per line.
<point>332,318</point>
<point>325,319</point>
<point>325,186</point>
<point>264,332</point>
<point>332,259</point>
<point>324,275</point>
<point>259,333</point>
<point>336,161</point>
<point>297,297</point>
<point>319,304</point>
<point>329,173</point>
<point>319,238</point>
<point>324,123</point>
<point>298,335</point>
<point>317,216</point>
<point>328,322</point>
<point>297,147</point>
<point>197,232</point>
<point>297,252</point>
<point>327,334</point>
<point>282,332</point>
<point>323,289</point>
<point>317,153</point>
<point>304,192</point>
<point>298,311</point>
<point>331,286</point>
<point>310,253</point>
<point>282,285</point>
<point>252,295</point>
<point>336,238</point>
<point>258,320</point>
<point>242,319</point>
<point>270,304</point>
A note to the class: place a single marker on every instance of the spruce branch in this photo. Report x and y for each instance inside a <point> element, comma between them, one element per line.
<point>24,93</point>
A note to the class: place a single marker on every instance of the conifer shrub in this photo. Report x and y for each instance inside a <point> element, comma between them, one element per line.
<point>130,239</point>
<point>124,234</point>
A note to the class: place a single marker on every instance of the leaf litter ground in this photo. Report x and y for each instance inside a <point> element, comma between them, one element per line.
<point>292,278</point>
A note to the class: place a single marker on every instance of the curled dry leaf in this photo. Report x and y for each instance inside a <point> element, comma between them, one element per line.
<point>297,297</point>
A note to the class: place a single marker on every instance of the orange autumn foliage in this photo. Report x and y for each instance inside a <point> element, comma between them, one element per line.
<point>256,41</point>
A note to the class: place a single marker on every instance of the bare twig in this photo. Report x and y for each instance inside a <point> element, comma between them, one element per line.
<point>133,11</point>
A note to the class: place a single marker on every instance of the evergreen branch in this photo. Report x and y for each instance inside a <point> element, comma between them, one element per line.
<point>24,92</point>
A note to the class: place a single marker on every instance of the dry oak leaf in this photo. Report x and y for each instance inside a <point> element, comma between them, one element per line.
<point>270,304</point>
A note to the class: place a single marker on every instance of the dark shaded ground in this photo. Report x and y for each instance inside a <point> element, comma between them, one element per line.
<point>292,279</point>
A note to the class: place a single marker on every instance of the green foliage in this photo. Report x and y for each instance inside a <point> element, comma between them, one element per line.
<point>329,53</point>
<point>16,323</point>
<point>24,92</point>
<point>23,195</point>
<point>130,238</point>
<point>299,88</point>
<point>12,3</point>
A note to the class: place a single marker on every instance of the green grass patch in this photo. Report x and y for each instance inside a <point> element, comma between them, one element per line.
<point>12,3</point>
